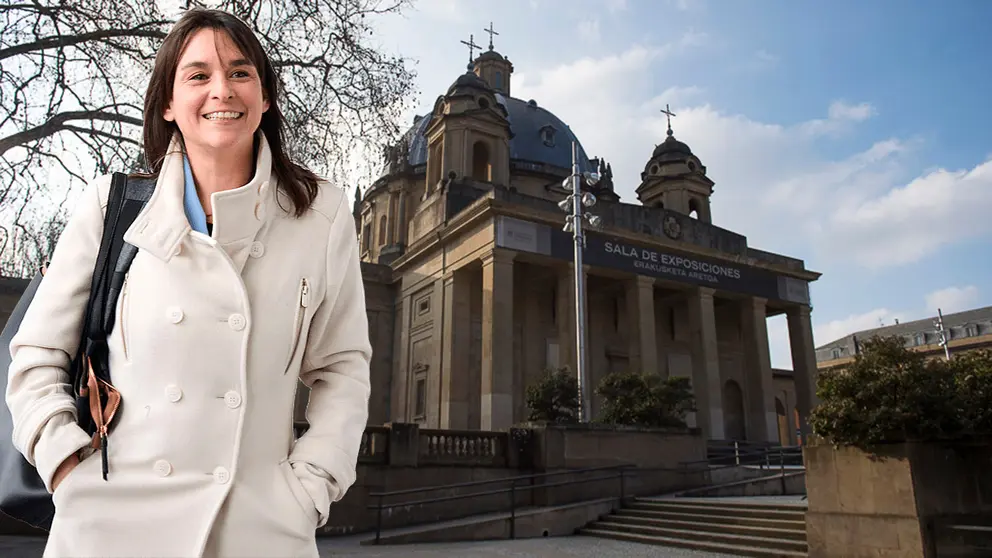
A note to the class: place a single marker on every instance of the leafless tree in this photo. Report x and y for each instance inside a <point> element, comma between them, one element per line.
<point>72,79</point>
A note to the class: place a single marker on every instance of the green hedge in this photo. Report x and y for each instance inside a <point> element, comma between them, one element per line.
<point>893,394</point>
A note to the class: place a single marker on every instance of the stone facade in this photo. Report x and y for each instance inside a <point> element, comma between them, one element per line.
<point>465,224</point>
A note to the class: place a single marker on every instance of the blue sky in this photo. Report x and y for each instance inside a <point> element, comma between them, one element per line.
<point>853,135</point>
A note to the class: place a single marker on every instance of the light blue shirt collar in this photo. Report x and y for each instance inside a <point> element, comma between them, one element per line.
<point>191,201</point>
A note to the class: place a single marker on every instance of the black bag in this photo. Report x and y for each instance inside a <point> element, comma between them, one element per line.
<point>22,493</point>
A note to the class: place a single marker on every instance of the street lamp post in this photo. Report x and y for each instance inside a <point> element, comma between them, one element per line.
<point>574,224</point>
<point>942,334</point>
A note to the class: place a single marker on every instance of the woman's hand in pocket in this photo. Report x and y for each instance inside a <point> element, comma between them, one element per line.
<point>64,469</point>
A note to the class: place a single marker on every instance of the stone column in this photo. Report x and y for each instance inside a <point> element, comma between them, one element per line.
<point>641,319</point>
<point>759,383</point>
<point>401,223</point>
<point>803,363</point>
<point>497,340</point>
<point>391,220</point>
<point>565,314</point>
<point>706,384</point>
<point>455,358</point>
<point>399,391</point>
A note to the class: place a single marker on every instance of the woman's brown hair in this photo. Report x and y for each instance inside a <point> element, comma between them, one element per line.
<point>299,184</point>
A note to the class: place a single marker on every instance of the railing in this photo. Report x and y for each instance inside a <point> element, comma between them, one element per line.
<point>611,472</point>
<point>766,457</point>
<point>469,447</point>
<point>375,445</point>
<point>735,453</point>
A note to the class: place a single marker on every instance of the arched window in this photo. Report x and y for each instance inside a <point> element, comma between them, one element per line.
<point>482,169</point>
<point>382,230</point>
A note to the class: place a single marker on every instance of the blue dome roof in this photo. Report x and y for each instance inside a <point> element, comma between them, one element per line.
<point>527,124</point>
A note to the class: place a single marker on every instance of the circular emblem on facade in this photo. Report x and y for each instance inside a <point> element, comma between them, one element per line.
<point>672,227</point>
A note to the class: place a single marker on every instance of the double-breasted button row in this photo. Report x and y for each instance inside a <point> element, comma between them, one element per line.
<point>237,322</point>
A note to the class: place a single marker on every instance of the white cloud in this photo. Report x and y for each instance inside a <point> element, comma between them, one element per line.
<point>860,209</point>
<point>953,299</point>
<point>840,110</point>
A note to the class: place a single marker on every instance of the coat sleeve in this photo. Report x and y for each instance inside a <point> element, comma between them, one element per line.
<point>38,384</point>
<point>336,369</point>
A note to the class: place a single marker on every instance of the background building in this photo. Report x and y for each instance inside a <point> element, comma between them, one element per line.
<point>966,331</point>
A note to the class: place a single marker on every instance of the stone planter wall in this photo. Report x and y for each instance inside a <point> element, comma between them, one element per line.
<point>659,455</point>
<point>896,504</point>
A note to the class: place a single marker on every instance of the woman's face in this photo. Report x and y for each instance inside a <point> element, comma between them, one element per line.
<point>217,97</point>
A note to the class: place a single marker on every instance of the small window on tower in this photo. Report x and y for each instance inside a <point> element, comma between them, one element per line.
<point>548,136</point>
<point>498,80</point>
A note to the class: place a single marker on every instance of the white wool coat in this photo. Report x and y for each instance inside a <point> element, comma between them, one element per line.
<point>212,336</point>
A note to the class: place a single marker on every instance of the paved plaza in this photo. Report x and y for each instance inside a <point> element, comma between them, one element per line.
<point>557,547</point>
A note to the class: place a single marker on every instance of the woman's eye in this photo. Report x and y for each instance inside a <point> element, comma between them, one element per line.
<point>198,76</point>
<point>241,73</point>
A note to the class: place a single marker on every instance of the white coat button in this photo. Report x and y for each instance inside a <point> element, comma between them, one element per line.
<point>221,475</point>
<point>257,249</point>
<point>233,399</point>
<point>162,468</point>
<point>176,314</point>
<point>173,392</point>
<point>237,322</point>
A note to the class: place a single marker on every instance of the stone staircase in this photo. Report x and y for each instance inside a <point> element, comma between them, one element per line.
<point>758,527</point>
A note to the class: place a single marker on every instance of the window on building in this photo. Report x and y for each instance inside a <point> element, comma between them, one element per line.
<point>694,208</point>
<point>971,330</point>
<point>498,80</point>
<point>382,230</point>
<point>482,168</point>
<point>548,136</point>
<point>366,237</point>
<point>835,353</point>
<point>919,339</point>
<point>420,398</point>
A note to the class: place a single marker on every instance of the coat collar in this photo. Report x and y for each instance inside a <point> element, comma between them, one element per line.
<point>238,214</point>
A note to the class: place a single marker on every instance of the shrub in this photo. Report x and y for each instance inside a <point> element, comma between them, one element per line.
<point>554,398</point>
<point>634,399</point>
<point>893,394</point>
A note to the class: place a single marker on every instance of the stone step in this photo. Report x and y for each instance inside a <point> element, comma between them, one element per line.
<point>726,538</point>
<point>705,546</point>
<point>741,502</point>
<point>774,530</point>
<point>768,512</point>
<point>798,523</point>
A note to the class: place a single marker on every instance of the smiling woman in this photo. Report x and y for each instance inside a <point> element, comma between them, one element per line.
<point>232,299</point>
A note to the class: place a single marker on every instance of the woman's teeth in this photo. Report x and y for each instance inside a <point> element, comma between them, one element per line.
<point>223,116</point>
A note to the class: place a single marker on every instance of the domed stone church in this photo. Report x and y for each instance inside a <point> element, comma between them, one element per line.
<point>469,277</point>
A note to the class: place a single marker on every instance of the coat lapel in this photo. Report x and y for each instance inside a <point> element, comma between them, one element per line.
<point>238,214</point>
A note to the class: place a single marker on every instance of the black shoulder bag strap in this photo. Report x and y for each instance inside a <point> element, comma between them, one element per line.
<point>97,401</point>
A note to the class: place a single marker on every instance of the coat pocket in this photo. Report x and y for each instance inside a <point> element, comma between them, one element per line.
<point>299,493</point>
<point>303,301</point>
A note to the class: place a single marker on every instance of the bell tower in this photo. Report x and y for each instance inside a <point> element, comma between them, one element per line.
<point>675,179</point>
<point>468,137</point>
<point>493,67</point>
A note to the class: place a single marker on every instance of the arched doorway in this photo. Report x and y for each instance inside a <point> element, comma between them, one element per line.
<point>733,411</point>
